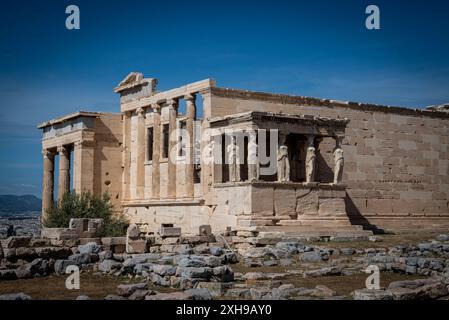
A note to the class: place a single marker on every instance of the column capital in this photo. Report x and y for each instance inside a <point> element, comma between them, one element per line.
<point>128,114</point>
<point>338,140</point>
<point>62,150</point>
<point>172,103</point>
<point>190,97</point>
<point>156,107</point>
<point>310,139</point>
<point>48,154</point>
<point>140,112</point>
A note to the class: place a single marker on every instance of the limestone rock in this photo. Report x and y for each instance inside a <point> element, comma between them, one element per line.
<point>216,251</point>
<point>114,297</point>
<point>89,248</point>
<point>367,294</point>
<point>105,255</point>
<point>323,292</point>
<point>311,256</point>
<point>198,294</point>
<point>216,289</point>
<point>140,294</point>
<point>169,296</point>
<point>80,258</point>
<point>125,290</point>
<point>419,289</point>
<point>15,296</point>
<point>443,237</point>
<point>109,265</point>
<point>61,266</point>
<point>16,242</point>
<point>8,274</point>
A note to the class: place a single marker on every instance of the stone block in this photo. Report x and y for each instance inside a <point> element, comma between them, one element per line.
<point>16,242</point>
<point>262,200</point>
<point>167,230</point>
<point>332,207</point>
<point>285,202</point>
<point>137,246</point>
<point>307,204</point>
<point>205,230</point>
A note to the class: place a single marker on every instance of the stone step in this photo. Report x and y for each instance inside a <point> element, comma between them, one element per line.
<point>317,223</point>
<point>308,231</point>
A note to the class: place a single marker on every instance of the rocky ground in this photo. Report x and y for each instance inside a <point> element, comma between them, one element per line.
<point>411,267</point>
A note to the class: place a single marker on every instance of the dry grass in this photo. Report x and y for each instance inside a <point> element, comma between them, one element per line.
<point>96,286</point>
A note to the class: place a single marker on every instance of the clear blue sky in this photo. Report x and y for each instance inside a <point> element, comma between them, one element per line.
<point>318,48</point>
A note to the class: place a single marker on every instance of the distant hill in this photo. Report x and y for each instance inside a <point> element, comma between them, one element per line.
<point>19,204</point>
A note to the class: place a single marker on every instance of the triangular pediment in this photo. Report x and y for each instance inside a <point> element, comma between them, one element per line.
<point>131,80</point>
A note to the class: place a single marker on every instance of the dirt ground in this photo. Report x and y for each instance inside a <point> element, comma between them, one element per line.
<point>96,286</point>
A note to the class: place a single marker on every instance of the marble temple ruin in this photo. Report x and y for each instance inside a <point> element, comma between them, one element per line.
<point>233,159</point>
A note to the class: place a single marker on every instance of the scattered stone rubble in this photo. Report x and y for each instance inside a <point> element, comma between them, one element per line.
<point>202,267</point>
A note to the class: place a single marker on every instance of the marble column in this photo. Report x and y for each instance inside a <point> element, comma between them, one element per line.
<point>310,159</point>
<point>64,171</point>
<point>47,182</point>
<point>156,178</point>
<point>190,148</point>
<point>126,155</point>
<point>172,152</point>
<point>140,159</point>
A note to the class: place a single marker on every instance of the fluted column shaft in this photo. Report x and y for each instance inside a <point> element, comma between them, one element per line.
<point>140,160</point>
<point>47,182</point>
<point>156,178</point>
<point>126,154</point>
<point>64,172</point>
<point>190,154</point>
<point>172,156</point>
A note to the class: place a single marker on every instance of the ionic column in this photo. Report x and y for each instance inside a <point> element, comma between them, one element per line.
<point>47,182</point>
<point>190,148</point>
<point>172,154</point>
<point>140,159</point>
<point>310,159</point>
<point>64,172</point>
<point>156,179</point>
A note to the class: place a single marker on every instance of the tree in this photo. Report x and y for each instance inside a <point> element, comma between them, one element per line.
<point>86,205</point>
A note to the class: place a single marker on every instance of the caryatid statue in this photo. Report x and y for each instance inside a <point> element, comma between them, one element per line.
<point>283,164</point>
<point>233,161</point>
<point>253,160</point>
<point>310,161</point>
<point>339,162</point>
<point>208,160</point>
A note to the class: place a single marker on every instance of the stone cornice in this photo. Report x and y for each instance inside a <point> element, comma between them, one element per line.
<point>277,117</point>
<point>310,101</point>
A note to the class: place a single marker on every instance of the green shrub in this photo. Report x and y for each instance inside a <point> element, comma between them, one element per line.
<point>86,205</point>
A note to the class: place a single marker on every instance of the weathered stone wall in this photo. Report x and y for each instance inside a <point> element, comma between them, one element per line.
<point>108,156</point>
<point>228,204</point>
<point>396,159</point>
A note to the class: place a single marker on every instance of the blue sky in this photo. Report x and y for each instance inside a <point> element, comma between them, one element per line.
<point>318,48</point>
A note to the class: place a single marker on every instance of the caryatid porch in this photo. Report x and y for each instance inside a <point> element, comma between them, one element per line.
<point>279,160</point>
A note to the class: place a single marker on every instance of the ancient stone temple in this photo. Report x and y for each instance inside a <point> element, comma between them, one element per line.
<point>204,155</point>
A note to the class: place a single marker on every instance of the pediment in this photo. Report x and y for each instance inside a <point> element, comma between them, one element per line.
<point>135,79</point>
